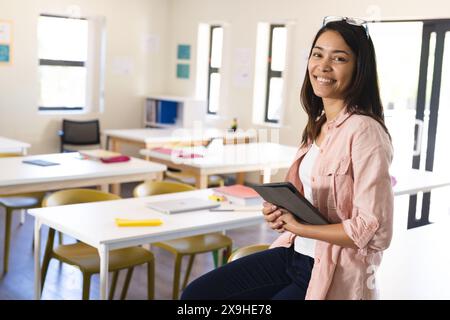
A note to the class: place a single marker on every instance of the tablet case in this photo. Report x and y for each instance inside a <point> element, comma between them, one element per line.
<point>286,196</point>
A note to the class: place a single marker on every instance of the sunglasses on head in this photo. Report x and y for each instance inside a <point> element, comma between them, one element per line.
<point>352,21</point>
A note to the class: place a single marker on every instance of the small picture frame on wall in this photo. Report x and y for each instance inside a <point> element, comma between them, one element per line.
<point>184,52</point>
<point>4,53</point>
<point>183,71</point>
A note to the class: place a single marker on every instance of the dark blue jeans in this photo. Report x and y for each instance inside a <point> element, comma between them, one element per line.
<point>279,273</point>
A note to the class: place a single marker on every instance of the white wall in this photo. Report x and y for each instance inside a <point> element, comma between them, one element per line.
<point>127,25</point>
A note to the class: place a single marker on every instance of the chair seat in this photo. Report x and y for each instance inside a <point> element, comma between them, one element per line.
<point>18,202</point>
<point>196,244</point>
<point>88,260</point>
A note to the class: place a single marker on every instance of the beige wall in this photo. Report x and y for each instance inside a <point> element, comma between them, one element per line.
<point>127,25</point>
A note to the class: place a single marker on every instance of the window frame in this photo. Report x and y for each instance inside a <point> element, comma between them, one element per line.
<point>271,73</point>
<point>211,69</point>
<point>62,63</point>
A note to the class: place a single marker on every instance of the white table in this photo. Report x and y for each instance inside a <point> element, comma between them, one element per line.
<point>233,158</point>
<point>72,172</point>
<point>93,223</point>
<point>413,181</point>
<point>153,137</point>
<point>11,146</point>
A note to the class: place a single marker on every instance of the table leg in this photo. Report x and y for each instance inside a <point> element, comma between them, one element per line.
<point>37,259</point>
<point>115,188</point>
<point>103,251</point>
<point>240,177</point>
<point>201,181</point>
<point>115,145</point>
<point>266,175</point>
<point>22,216</point>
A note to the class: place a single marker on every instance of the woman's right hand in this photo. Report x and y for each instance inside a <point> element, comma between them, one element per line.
<point>271,213</point>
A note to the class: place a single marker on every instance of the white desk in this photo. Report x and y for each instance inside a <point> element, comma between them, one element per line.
<point>93,223</point>
<point>154,137</point>
<point>413,181</point>
<point>12,146</point>
<point>232,158</point>
<point>72,172</point>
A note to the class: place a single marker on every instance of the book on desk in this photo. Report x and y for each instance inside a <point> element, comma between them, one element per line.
<point>104,156</point>
<point>239,194</point>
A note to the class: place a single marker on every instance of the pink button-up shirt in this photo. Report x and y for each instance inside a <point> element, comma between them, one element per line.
<point>350,185</point>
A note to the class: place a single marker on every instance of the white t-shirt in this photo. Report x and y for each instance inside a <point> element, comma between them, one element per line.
<point>302,245</point>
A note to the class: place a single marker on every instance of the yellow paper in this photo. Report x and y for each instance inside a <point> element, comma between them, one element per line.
<point>138,223</point>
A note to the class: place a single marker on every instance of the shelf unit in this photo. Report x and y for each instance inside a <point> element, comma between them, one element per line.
<point>160,110</point>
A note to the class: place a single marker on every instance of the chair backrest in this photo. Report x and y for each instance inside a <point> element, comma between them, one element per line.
<point>80,132</point>
<point>245,251</point>
<point>73,196</point>
<point>150,188</point>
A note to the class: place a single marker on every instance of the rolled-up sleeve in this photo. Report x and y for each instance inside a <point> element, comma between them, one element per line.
<point>370,226</point>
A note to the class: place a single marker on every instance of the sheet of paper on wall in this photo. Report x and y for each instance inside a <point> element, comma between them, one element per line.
<point>5,32</point>
<point>242,67</point>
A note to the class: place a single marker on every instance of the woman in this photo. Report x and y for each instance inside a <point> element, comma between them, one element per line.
<point>342,167</point>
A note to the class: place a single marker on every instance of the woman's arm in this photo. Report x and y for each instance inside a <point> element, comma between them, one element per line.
<point>332,233</point>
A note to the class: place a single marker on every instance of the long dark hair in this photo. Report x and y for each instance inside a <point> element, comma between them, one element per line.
<point>363,96</point>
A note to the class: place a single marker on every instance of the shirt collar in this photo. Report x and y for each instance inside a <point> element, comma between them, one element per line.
<point>340,118</point>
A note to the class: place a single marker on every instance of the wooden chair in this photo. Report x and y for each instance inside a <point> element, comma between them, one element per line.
<point>85,257</point>
<point>245,251</point>
<point>189,246</point>
<point>13,203</point>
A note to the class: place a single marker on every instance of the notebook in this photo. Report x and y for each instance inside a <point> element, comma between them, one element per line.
<point>182,205</point>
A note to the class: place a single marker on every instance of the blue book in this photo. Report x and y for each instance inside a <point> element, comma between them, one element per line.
<point>166,112</point>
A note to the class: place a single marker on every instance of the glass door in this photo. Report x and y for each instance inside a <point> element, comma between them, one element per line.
<point>412,70</point>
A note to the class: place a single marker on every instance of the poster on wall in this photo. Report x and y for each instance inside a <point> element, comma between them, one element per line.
<point>184,52</point>
<point>5,41</point>
<point>182,71</point>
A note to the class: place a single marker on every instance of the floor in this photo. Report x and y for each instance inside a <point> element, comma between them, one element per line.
<point>414,267</point>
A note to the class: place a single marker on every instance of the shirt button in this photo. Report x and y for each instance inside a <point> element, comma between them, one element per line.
<point>312,179</point>
<point>321,150</point>
<point>317,260</point>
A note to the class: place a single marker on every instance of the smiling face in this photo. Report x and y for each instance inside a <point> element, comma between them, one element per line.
<point>331,66</point>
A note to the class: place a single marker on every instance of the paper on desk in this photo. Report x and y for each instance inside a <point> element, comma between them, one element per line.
<point>138,223</point>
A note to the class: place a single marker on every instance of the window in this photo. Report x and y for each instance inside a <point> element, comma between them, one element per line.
<point>275,68</point>
<point>215,62</point>
<point>63,55</point>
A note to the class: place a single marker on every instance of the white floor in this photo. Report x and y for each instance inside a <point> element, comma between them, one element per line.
<point>417,264</point>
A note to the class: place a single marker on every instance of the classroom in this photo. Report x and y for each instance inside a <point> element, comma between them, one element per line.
<point>134,135</point>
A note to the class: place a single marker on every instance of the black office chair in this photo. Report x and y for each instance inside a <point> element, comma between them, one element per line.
<point>79,133</point>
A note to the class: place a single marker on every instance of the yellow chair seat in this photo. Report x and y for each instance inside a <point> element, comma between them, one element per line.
<point>196,244</point>
<point>87,259</point>
<point>245,251</point>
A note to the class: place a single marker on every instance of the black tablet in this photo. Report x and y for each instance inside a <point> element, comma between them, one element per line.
<point>286,196</point>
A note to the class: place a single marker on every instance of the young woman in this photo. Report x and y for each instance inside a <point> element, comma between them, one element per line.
<point>342,167</point>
